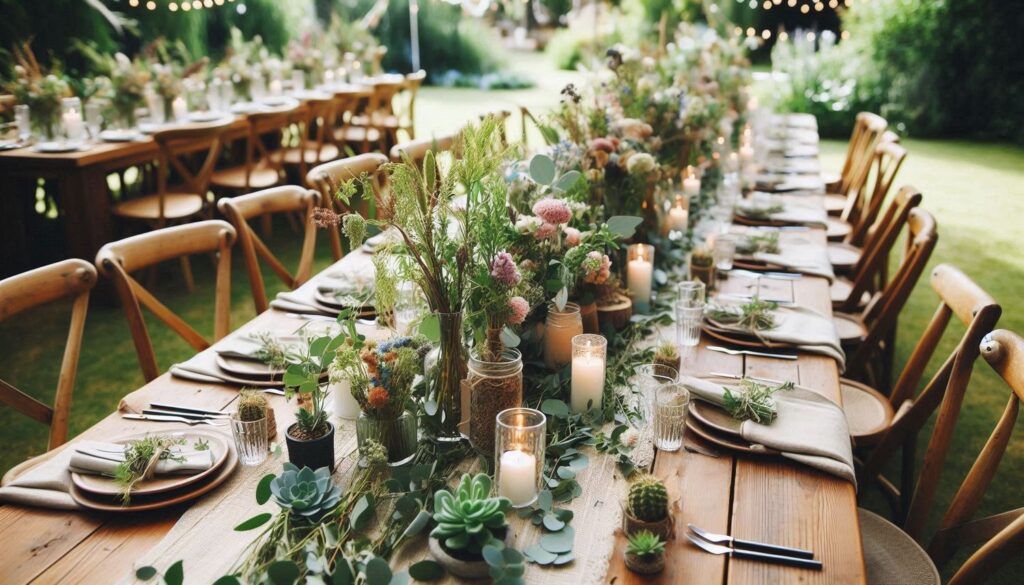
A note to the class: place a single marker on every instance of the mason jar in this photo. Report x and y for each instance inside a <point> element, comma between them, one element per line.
<point>495,384</point>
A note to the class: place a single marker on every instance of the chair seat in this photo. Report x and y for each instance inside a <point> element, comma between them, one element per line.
<point>841,289</point>
<point>835,204</point>
<point>850,328</point>
<point>891,555</point>
<point>832,181</point>
<point>356,134</point>
<point>176,206</point>
<point>313,156</point>
<point>234,178</point>
<point>868,412</point>
<point>376,120</point>
<point>836,229</point>
<point>843,256</point>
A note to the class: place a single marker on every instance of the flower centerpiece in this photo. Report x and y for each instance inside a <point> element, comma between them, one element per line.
<point>41,92</point>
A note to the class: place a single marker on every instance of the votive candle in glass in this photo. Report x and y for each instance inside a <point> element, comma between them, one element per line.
<point>588,368</point>
<point>74,127</point>
<point>179,109</point>
<point>559,329</point>
<point>679,214</point>
<point>298,80</point>
<point>691,183</point>
<point>640,275</point>
<point>519,442</point>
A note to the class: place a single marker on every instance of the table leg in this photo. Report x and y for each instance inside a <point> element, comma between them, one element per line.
<point>85,208</point>
<point>17,201</point>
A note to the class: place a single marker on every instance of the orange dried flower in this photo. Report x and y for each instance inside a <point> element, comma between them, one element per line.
<point>378,397</point>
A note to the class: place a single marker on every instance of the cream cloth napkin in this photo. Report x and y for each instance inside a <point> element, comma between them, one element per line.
<point>809,330</point>
<point>801,256</point>
<point>48,484</point>
<point>808,428</point>
<point>793,212</point>
<point>357,270</point>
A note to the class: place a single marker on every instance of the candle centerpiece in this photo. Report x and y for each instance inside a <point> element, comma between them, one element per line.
<point>519,445</point>
<point>679,214</point>
<point>691,182</point>
<point>640,275</point>
<point>74,127</point>
<point>561,326</point>
<point>588,372</point>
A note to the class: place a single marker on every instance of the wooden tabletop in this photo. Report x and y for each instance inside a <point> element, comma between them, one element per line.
<point>765,499</point>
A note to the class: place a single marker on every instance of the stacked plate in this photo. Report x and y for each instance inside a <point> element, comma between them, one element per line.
<point>99,492</point>
<point>716,426</point>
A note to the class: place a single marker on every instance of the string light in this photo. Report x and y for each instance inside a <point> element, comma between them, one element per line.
<point>188,5</point>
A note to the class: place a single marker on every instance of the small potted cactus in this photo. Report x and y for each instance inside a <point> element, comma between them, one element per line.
<point>645,553</point>
<point>667,359</point>
<point>702,266</point>
<point>468,520</point>
<point>647,508</point>
<point>253,406</point>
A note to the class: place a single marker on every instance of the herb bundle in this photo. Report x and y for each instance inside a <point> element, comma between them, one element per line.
<point>762,212</point>
<point>755,315</point>
<point>767,243</point>
<point>755,402</point>
<point>140,459</point>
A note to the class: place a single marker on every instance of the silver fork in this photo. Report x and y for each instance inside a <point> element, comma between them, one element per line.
<point>170,418</point>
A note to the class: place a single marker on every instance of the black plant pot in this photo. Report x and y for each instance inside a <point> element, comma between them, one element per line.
<point>313,453</point>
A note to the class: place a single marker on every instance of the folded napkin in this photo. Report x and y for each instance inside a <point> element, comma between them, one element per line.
<point>808,428</point>
<point>807,121</point>
<point>203,367</point>
<point>801,166</point>
<point>48,484</point>
<point>785,182</point>
<point>800,256</point>
<point>809,330</point>
<point>793,211</point>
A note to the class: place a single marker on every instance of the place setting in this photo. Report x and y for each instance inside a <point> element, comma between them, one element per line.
<point>766,209</point>
<point>760,249</point>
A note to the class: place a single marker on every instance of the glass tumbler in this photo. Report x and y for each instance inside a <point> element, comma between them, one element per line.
<point>724,251</point>
<point>691,293</point>
<point>671,406</point>
<point>23,120</point>
<point>251,440</point>
<point>688,321</point>
<point>647,379</point>
<point>94,119</point>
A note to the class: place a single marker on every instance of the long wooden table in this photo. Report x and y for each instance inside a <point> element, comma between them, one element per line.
<point>765,499</point>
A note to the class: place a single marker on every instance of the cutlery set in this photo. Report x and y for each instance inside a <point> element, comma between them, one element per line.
<point>159,412</point>
<point>723,544</point>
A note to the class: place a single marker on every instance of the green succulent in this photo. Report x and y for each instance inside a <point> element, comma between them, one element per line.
<point>468,519</point>
<point>645,544</point>
<point>648,499</point>
<point>305,493</point>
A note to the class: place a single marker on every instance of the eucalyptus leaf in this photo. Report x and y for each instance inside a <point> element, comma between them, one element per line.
<point>342,573</point>
<point>539,555</point>
<point>623,226</point>
<point>263,489</point>
<point>175,574</point>
<point>145,573</point>
<point>254,522</point>
<point>559,542</point>
<point>552,523</point>
<point>362,512</point>
<point>566,473</point>
<point>561,298</point>
<point>417,525</point>
<point>542,169</point>
<point>426,571</point>
<point>566,181</point>
<point>563,514</point>
<point>579,462</point>
<point>555,407</point>
<point>492,554</point>
<point>565,559</point>
<point>378,572</point>
<point>283,572</point>
<point>509,337</point>
<point>544,500</point>
<point>228,580</point>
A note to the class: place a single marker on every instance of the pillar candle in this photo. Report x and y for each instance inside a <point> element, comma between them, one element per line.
<point>691,184</point>
<point>179,109</point>
<point>73,127</point>
<point>345,405</point>
<point>275,87</point>
<point>518,477</point>
<point>639,275</point>
<point>587,382</point>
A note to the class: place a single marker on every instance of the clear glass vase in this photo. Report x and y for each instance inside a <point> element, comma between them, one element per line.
<point>396,435</point>
<point>495,384</point>
<point>445,371</point>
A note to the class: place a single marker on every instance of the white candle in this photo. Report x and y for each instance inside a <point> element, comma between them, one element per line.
<point>691,184</point>
<point>518,477</point>
<point>746,154</point>
<point>275,87</point>
<point>638,278</point>
<point>328,76</point>
<point>345,405</point>
<point>298,81</point>
<point>179,109</point>
<point>678,219</point>
<point>587,382</point>
<point>73,127</point>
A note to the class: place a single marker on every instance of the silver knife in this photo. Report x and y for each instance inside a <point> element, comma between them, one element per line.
<point>750,544</point>
<point>188,415</point>
<point>168,418</point>
<point>728,351</point>
<point>739,553</point>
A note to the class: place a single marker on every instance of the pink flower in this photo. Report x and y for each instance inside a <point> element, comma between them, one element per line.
<point>546,230</point>
<point>504,269</point>
<point>520,308</point>
<point>552,211</point>
<point>598,268</point>
<point>572,237</point>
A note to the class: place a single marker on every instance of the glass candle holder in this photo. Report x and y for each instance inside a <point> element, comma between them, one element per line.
<point>94,118</point>
<point>559,329</point>
<point>724,251</point>
<point>23,120</point>
<point>691,182</point>
<point>588,369</point>
<point>679,214</point>
<point>640,275</point>
<point>298,80</point>
<point>71,116</point>
<point>519,442</point>
<point>671,406</point>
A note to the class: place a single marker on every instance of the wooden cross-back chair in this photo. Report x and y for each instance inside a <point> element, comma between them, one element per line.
<point>858,147</point>
<point>877,428</point>
<point>314,146</point>
<point>854,184</point>
<point>326,179</point>
<point>868,335</point>
<point>407,110</point>
<point>69,278</point>
<point>117,260</point>
<point>417,149</point>
<point>263,167</point>
<point>285,199</point>
<point>894,552</point>
<point>851,294</point>
<point>347,104</point>
<point>378,124</point>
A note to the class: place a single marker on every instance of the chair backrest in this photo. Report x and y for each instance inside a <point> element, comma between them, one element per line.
<point>889,157</point>
<point>976,309</point>
<point>327,177</point>
<point>117,260</point>
<point>407,114</point>
<point>315,122</point>
<point>881,313</point>
<point>417,149</point>
<point>22,292</point>
<point>1002,535</point>
<point>256,152</point>
<point>875,254</point>
<point>381,102</point>
<point>855,177</point>
<point>860,145</point>
<point>175,143</point>
<point>284,199</point>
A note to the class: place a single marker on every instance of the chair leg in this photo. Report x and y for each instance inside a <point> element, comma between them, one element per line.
<point>907,477</point>
<point>186,271</point>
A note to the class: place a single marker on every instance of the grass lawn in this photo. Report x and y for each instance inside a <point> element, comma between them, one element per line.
<point>976,192</point>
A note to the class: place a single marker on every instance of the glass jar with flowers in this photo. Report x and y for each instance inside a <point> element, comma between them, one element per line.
<point>385,423</point>
<point>127,88</point>
<point>41,92</point>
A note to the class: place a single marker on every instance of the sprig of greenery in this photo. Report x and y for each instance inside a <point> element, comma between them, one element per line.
<point>755,315</point>
<point>767,242</point>
<point>755,401</point>
<point>140,457</point>
<point>762,212</point>
<point>271,351</point>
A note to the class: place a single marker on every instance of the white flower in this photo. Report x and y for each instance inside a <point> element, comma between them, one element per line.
<point>578,208</point>
<point>528,224</point>
<point>640,163</point>
<point>629,437</point>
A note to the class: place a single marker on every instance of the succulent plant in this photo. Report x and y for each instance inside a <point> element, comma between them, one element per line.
<point>252,406</point>
<point>305,493</point>
<point>666,350</point>
<point>702,257</point>
<point>468,519</point>
<point>645,544</point>
<point>648,499</point>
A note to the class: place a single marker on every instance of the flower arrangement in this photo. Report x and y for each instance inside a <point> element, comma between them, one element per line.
<point>305,54</point>
<point>41,92</point>
<point>122,85</point>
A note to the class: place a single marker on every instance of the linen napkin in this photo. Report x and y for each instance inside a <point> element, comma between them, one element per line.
<point>809,330</point>
<point>48,484</point>
<point>794,211</point>
<point>203,367</point>
<point>808,428</point>
<point>800,256</point>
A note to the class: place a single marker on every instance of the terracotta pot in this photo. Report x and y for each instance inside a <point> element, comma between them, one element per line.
<point>664,528</point>
<point>311,453</point>
<point>705,274</point>
<point>588,312</point>
<point>645,566</point>
<point>476,569</point>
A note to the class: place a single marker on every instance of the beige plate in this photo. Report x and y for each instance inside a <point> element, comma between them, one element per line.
<point>247,368</point>
<point>727,442</point>
<point>162,500</point>
<point>742,339</point>
<point>98,485</point>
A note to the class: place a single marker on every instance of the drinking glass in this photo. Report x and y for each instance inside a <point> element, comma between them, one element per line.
<point>647,378</point>
<point>251,440</point>
<point>688,321</point>
<point>23,119</point>
<point>408,308</point>
<point>724,251</point>
<point>671,405</point>
<point>258,88</point>
<point>227,95</point>
<point>298,81</point>
<point>691,293</point>
<point>94,119</point>
<point>155,105</point>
